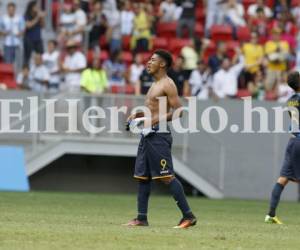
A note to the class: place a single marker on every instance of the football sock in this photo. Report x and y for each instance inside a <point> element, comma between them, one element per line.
<point>275,198</point>
<point>144,189</point>
<point>179,196</point>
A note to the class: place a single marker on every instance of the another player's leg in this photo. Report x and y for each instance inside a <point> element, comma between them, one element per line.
<point>188,218</point>
<point>275,199</point>
<point>144,190</point>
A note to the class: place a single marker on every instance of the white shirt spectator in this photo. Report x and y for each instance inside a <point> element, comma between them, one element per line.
<point>76,61</point>
<point>68,22</point>
<point>81,21</point>
<point>253,7</point>
<point>135,72</point>
<point>38,75</point>
<point>236,15</point>
<point>225,82</point>
<point>200,84</point>
<point>51,62</point>
<point>114,21</point>
<point>284,92</point>
<point>296,14</point>
<point>168,10</point>
<point>127,18</point>
<point>14,26</point>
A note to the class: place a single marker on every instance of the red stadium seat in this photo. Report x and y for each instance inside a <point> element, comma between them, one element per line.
<point>127,57</point>
<point>221,33</point>
<point>104,55</point>
<point>295,3</point>
<point>270,3</point>
<point>103,42</point>
<point>146,56</point>
<point>116,89</point>
<point>243,93</point>
<point>209,51</point>
<point>199,30</point>
<point>6,69</point>
<point>126,42</point>
<point>10,83</point>
<point>231,47</point>
<point>160,43</point>
<point>271,96</point>
<point>200,15</point>
<point>247,3</point>
<point>243,34</point>
<point>166,29</point>
<point>177,44</point>
<point>129,89</point>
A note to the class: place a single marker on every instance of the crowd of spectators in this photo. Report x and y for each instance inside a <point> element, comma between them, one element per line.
<point>257,66</point>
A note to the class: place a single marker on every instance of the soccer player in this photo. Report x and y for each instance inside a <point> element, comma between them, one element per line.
<point>291,166</point>
<point>154,160</point>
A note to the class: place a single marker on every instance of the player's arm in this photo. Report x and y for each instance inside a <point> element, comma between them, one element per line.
<point>173,102</point>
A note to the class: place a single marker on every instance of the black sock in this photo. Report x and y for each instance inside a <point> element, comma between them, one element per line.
<point>179,196</point>
<point>144,189</point>
<point>275,198</point>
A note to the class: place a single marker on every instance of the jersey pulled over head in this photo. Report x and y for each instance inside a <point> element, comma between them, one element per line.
<point>160,60</point>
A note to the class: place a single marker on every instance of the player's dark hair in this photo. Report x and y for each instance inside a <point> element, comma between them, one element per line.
<point>11,4</point>
<point>294,80</point>
<point>166,56</point>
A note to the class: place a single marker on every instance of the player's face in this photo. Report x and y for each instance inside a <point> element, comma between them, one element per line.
<point>154,64</point>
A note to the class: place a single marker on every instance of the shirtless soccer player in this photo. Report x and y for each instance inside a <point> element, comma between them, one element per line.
<point>154,160</point>
<point>290,170</point>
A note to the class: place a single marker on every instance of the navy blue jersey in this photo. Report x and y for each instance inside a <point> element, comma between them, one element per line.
<point>294,101</point>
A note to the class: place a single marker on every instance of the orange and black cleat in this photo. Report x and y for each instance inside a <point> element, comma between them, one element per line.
<point>187,222</point>
<point>137,223</point>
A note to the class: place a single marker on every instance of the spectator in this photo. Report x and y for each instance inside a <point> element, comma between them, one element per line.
<point>34,19</point>
<point>12,26</point>
<point>39,75</point>
<point>72,66</point>
<point>136,69</point>
<point>277,52</point>
<point>51,61</point>
<point>67,24</point>
<point>254,55</point>
<point>141,34</point>
<point>190,56</point>
<point>284,91</point>
<point>215,60</point>
<point>257,86</point>
<point>213,14</point>
<point>127,18</point>
<point>115,69</point>
<point>23,78</point>
<point>144,83</point>
<point>296,13</point>
<point>187,18</point>
<point>114,31</point>
<point>98,22</point>
<point>281,6</point>
<point>225,83</point>
<point>179,76</point>
<point>234,15</point>
<point>80,24</point>
<point>167,11</point>
<point>201,81</point>
<point>259,24</point>
<point>109,6</point>
<point>94,79</point>
<point>252,10</point>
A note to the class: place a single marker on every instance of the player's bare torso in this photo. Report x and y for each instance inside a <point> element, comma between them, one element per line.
<point>157,89</point>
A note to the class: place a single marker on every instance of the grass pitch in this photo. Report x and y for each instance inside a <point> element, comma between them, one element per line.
<point>40,221</point>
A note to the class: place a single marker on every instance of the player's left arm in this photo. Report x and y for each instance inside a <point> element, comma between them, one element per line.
<point>174,103</point>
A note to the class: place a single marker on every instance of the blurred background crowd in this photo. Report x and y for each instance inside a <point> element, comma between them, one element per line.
<point>221,48</point>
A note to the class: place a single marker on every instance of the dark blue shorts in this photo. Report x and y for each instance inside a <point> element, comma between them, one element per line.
<point>154,159</point>
<point>291,163</point>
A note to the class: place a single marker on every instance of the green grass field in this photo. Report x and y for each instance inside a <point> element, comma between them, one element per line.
<point>39,221</point>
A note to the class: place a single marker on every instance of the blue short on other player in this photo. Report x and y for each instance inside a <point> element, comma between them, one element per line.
<point>291,163</point>
<point>154,159</point>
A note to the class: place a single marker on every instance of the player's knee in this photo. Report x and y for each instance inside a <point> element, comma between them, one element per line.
<point>167,180</point>
<point>283,180</point>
